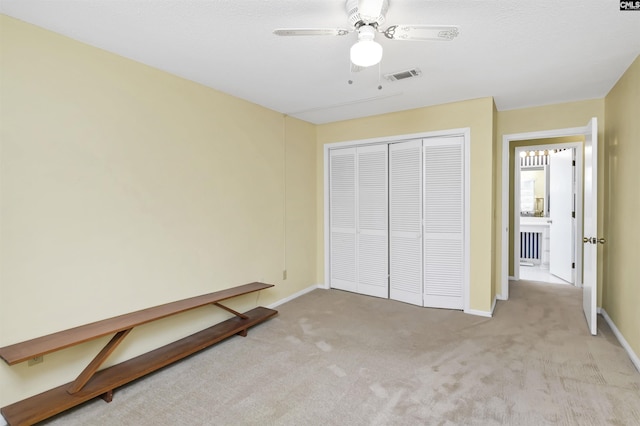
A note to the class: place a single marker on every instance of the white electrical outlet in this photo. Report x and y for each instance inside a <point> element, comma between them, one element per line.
<point>36,360</point>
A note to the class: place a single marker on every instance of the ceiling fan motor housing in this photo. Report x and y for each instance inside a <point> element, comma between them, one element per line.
<point>355,19</point>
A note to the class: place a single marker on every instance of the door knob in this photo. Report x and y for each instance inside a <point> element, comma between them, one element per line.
<point>602,240</point>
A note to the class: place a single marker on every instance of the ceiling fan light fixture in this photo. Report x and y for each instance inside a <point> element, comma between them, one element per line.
<point>366,53</point>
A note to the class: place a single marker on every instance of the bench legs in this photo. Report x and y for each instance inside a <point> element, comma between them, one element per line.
<point>93,366</point>
<point>242,333</point>
<point>107,396</point>
<point>238,314</point>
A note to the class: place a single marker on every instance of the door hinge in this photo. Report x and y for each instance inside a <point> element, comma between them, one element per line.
<point>573,265</point>
<point>573,215</point>
<point>573,163</point>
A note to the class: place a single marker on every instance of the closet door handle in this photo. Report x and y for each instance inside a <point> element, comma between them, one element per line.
<point>593,240</point>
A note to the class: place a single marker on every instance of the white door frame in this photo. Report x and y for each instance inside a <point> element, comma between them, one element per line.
<point>578,146</point>
<point>466,133</point>
<point>506,143</point>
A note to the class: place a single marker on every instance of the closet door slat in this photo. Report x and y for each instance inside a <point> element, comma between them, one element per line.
<point>342,210</point>
<point>443,209</point>
<point>405,221</point>
<point>372,221</point>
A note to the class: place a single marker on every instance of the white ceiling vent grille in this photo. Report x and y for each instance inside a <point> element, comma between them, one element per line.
<point>402,75</point>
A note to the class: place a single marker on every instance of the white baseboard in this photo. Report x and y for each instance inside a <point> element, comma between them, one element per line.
<point>295,295</point>
<point>623,342</point>
<point>487,314</point>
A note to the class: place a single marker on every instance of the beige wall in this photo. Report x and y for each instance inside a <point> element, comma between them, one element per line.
<point>124,187</point>
<point>550,117</point>
<point>621,296</point>
<point>476,114</point>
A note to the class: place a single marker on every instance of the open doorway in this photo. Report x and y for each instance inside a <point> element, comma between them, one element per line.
<point>586,223</point>
<point>546,207</point>
<point>513,145</point>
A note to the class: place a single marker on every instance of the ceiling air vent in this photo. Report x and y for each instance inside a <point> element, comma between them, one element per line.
<point>402,75</point>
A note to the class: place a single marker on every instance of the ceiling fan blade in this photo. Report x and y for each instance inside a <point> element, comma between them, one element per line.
<point>422,32</point>
<point>311,31</point>
<point>370,10</point>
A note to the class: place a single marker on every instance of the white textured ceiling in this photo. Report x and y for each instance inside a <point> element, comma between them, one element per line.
<point>522,52</point>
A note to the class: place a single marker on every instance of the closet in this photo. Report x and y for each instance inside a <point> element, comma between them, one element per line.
<point>397,220</point>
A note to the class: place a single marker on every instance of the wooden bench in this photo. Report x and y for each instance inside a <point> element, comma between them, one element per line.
<point>92,383</point>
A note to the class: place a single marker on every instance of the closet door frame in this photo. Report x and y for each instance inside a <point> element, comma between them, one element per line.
<point>466,134</point>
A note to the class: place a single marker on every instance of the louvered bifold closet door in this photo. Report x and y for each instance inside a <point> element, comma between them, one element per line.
<point>405,222</point>
<point>342,211</point>
<point>372,221</point>
<point>443,209</point>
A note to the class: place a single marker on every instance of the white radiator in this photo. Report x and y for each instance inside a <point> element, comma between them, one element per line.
<point>530,246</point>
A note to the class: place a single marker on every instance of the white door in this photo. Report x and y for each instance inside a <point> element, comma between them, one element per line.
<point>359,220</point>
<point>590,237</point>
<point>443,210</point>
<point>561,239</point>
<point>372,221</point>
<point>405,221</point>
<point>342,219</point>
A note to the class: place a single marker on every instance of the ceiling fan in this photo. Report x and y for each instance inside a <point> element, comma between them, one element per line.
<point>365,18</point>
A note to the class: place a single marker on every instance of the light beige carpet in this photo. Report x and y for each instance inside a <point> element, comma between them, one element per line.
<point>336,358</point>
